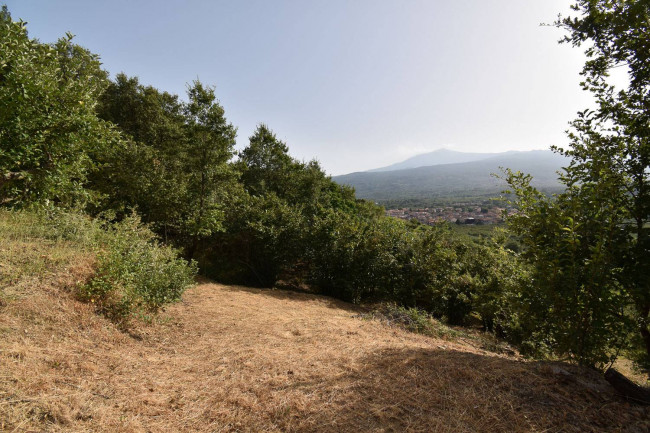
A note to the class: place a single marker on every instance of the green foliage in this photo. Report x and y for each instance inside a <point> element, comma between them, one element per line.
<point>411,319</point>
<point>610,146</point>
<point>265,163</point>
<point>135,273</point>
<point>270,223</point>
<point>346,254</point>
<point>210,146</point>
<point>575,305</point>
<point>267,168</point>
<point>267,239</point>
<point>174,169</point>
<point>589,246</point>
<point>372,259</point>
<point>147,171</point>
<point>48,127</point>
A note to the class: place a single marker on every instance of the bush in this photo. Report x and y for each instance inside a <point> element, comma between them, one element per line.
<point>263,241</point>
<point>411,319</point>
<point>363,259</point>
<point>135,273</point>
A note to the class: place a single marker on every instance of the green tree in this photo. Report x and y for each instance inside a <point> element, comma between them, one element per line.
<point>265,163</point>
<point>266,167</point>
<point>174,166</point>
<point>610,145</point>
<point>210,143</point>
<point>50,135</point>
<point>590,246</point>
<point>575,304</point>
<point>148,170</point>
<point>270,226</point>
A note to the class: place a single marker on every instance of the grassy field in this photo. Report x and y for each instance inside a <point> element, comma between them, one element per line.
<point>237,359</point>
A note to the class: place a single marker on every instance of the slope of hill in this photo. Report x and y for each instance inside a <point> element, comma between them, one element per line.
<point>455,180</point>
<point>437,157</point>
<point>236,359</point>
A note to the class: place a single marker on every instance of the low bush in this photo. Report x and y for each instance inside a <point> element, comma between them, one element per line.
<point>135,273</point>
<point>411,319</point>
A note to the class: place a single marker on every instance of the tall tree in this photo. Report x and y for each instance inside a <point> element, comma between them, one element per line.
<point>147,171</point>
<point>593,240</point>
<point>265,163</point>
<point>269,228</point>
<point>210,143</point>
<point>174,166</point>
<point>266,166</point>
<point>611,144</point>
<point>49,132</point>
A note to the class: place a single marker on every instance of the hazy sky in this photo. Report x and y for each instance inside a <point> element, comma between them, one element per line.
<point>356,84</point>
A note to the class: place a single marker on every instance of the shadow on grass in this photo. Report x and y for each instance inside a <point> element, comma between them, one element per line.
<point>428,390</point>
<point>299,295</point>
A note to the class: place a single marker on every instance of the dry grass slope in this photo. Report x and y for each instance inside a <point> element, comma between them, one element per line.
<point>244,360</point>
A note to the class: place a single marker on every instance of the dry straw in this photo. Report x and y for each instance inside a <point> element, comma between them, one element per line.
<point>245,360</point>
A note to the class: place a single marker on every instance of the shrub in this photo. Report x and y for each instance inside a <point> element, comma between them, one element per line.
<point>361,259</point>
<point>135,273</point>
<point>411,319</point>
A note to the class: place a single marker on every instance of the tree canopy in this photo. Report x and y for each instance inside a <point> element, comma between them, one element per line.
<point>590,245</point>
<point>49,131</point>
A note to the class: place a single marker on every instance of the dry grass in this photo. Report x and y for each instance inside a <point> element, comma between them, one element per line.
<point>240,359</point>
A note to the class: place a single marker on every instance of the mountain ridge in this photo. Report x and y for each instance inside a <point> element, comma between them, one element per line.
<point>463,179</point>
<point>436,157</point>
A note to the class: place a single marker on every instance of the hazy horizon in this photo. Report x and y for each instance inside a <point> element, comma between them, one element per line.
<point>419,158</point>
<point>356,85</point>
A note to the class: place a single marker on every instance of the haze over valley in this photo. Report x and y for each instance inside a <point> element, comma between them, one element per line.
<point>446,174</point>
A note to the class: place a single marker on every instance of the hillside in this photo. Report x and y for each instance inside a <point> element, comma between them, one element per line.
<point>231,358</point>
<point>468,179</point>
<point>437,157</point>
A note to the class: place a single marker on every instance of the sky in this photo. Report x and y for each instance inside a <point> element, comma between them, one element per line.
<point>355,84</point>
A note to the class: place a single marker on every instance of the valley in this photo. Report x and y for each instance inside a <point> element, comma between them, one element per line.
<point>435,184</point>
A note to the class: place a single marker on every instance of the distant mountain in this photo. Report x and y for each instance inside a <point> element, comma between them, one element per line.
<point>437,157</point>
<point>466,179</point>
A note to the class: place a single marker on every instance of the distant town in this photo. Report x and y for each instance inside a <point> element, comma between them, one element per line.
<point>453,214</point>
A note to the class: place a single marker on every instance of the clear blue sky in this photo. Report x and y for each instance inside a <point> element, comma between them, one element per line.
<point>356,84</point>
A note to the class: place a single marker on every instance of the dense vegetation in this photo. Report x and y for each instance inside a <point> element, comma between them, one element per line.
<point>589,246</point>
<point>122,152</point>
